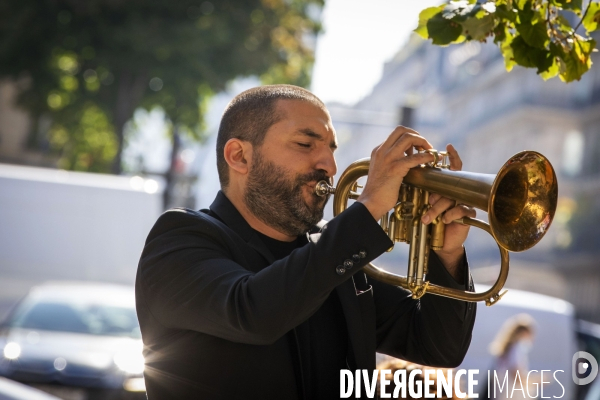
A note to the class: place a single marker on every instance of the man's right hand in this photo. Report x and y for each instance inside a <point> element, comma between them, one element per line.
<point>390,162</point>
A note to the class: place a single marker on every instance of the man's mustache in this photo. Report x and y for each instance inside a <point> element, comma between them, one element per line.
<point>315,176</point>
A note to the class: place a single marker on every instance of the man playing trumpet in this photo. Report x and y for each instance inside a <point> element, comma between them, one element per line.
<point>257,298</point>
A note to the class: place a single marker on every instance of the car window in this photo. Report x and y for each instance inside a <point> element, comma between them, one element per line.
<point>592,344</point>
<point>594,392</point>
<point>91,319</point>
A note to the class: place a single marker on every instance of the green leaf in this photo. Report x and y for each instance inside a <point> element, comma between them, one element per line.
<point>535,35</point>
<point>540,15</point>
<point>525,12</point>
<point>552,71</point>
<point>575,62</point>
<point>478,28</point>
<point>563,24</point>
<point>500,32</point>
<point>560,55</point>
<point>507,51</point>
<point>504,12</point>
<point>424,17</point>
<point>442,30</point>
<point>592,18</point>
<point>461,38</point>
<point>572,70</point>
<point>582,53</point>
<point>574,5</point>
<point>523,4</point>
<point>584,48</point>
<point>531,57</point>
<point>556,49</point>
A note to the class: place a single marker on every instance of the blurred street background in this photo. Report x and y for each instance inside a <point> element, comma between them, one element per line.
<point>109,114</point>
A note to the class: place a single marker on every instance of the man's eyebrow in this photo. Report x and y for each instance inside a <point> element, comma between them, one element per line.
<point>310,133</point>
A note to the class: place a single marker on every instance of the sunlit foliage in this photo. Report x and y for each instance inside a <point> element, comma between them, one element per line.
<point>532,33</point>
<point>101,59</point>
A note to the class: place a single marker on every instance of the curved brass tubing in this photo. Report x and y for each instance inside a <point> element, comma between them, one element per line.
<point>520,201</point>
<point>491,296</point>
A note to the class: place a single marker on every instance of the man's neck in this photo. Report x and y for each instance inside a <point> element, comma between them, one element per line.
<point>238,202</point>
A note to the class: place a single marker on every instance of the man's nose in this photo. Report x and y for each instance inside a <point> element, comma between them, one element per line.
<point>326,162</point>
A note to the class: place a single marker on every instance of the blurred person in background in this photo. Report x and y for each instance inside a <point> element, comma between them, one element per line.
<point>511,348</point>
<point>257,298</point>
<point>394,365</point>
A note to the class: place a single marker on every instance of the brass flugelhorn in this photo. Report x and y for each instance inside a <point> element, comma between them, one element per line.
<point>520,201</point>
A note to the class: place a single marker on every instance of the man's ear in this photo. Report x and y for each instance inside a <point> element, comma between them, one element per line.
<point>237,153</point>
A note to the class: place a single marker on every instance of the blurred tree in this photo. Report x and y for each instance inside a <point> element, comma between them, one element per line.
<point>531,33</point>
<point>87,65</point>
<point>583,225</point>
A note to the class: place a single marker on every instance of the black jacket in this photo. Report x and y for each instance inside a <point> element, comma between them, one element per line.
<point>218,314</point>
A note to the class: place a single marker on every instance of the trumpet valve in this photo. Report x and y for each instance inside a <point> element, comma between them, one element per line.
<point>438,230</point>
<point>444,162</point>
<point>406,210</point>
<point>384,222</point>
<point>392,227</point>
<point>436,157</point>
<point>401,230</point>
<point>440,158</point>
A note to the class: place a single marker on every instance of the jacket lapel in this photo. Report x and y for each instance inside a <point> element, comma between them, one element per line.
<point>226,211</point>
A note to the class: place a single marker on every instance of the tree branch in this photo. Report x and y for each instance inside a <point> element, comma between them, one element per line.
<point>582,17</point>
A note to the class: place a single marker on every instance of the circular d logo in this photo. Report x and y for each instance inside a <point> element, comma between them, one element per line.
<point>582,363</point>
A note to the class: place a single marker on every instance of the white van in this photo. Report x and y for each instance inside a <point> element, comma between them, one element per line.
<point>554,343</point>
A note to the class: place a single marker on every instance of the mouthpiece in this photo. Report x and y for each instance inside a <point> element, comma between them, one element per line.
<point>323,189</point>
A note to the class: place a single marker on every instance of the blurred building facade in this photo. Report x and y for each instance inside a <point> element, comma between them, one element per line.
<point>15,128</point>
<point>463,95</point>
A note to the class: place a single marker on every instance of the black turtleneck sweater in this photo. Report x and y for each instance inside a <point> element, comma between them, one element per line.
<point>323,338</point>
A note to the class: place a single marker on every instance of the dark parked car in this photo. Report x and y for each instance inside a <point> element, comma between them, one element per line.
<point>588,336</point>
<point>11,390</point>
<point>75,340</point>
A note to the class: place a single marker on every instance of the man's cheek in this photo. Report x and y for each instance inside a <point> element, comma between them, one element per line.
<point>307,191</point>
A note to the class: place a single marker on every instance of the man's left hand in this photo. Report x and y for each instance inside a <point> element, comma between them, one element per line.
<point>453,251</point>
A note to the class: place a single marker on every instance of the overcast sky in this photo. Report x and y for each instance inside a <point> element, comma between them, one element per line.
<point>359,37</point>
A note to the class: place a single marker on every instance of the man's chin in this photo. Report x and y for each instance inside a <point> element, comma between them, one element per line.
<point>317,203</point>
<point>318,210</point>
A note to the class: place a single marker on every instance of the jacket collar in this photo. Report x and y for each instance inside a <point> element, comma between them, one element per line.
<point>226,211</point>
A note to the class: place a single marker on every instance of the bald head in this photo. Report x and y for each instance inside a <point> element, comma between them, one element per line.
<point>250,114</point>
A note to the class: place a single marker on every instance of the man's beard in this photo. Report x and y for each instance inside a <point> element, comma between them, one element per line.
<point>278,201</point>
